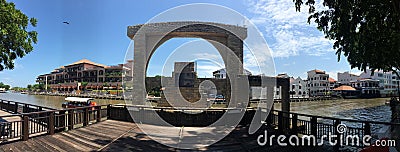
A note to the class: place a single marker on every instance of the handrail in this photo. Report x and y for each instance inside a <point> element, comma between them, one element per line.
<point>15,102</point>
<point>49,111</point>
<point>341,119</point>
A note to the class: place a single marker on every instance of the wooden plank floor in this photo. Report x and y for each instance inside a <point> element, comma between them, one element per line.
<point>112,135</point>
<point>91,138</point>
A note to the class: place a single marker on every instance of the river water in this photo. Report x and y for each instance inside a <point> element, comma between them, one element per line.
<point>359,109</point>
<point>48,101</point>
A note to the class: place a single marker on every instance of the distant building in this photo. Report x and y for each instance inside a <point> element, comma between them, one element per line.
<point>184,74</point>
<point>346,91</point>
<point>298,88</point>
<point>388,82</point>
<point>332,84</point>
<point>345,78</point>
<point>368,88</point>
<point>221,73</point>
<point>318,83</point>
<point>72,77</point>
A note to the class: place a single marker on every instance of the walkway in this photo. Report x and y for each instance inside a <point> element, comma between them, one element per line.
<point>94,137</point>
<point>111,135</point>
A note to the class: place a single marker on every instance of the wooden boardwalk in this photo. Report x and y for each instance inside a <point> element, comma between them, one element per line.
<point>91,138</point>
<point>112,135</point>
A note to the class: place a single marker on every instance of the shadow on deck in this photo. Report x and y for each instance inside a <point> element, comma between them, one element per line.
<point>112,135</point>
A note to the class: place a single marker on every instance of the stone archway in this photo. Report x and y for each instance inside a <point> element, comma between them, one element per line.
<point>148,37</point>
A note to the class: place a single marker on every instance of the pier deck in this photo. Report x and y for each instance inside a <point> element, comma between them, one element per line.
<point>94,137</point>
<point>112,135</point>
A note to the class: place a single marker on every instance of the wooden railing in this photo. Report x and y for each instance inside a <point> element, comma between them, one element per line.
<point>26,125</point>
<point>20,107</point>
<point>198,117</point>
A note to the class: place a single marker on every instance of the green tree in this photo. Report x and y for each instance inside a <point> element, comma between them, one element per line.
<point>367,32</point>
<point>2,85</point>
<point>15,40</point>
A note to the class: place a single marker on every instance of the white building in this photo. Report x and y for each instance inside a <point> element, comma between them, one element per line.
<point>318,83</point>
<point>298,88</point>
<point>346,77</point>
<point>221,73</point>
<point>388,81</point>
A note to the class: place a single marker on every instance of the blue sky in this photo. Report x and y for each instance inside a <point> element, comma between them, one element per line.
<point>97,31</point>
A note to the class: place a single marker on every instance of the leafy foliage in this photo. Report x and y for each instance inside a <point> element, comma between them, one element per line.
<point>2,85</point>
<point>15,40</point>
<point>367,32</point>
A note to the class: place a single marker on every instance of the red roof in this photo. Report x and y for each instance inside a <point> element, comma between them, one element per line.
<point>332,80</point>
<point>344,88</point>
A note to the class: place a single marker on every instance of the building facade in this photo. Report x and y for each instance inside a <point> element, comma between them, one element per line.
<point>318,83</point>
<point>298,88</point>
<point>184,74</point>
<point>332,84</point>
<point>368,88</point>
<point>388,82</point>
<point>83,74</point>
<point>221,73</point>
<point>345,78</point>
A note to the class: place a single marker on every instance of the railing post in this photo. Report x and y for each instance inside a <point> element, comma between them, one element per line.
<point>280,122</point>
<point>51,123</point>
<point>25,128</point>
<point>61,120</point>
<point>85,117</point>
<point>294,124</point>
<point>16,108</point>
<point>25,108</point>
<point>98,113</point>
<point>335,130</point>
<point>314,124</point>
<point>270,118</point>
<point>70,119</point>
<point>108,111</point>
<point>367,129</point>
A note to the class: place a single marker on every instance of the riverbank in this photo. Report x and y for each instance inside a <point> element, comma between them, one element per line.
<point>49,101</point>
<point>96,96</point>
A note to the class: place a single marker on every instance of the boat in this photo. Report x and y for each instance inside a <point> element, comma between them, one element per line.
<point>2,90</point>
<point>24,92</point>
<point>74,102</point>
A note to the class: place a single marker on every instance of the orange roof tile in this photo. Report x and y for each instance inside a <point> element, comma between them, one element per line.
<point>87,61</point>
<point>344,88</point>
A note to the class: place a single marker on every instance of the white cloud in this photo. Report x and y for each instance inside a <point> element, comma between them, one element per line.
<point>287,31</point>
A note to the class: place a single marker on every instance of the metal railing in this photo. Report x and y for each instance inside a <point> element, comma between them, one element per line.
<point>319,126</point>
